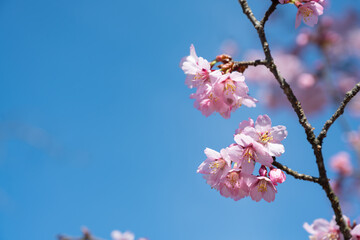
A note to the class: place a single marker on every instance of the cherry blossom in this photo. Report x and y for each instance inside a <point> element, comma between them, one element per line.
<point>252,152</point>
<point>270,137</point>
<point>261,187</point>
<point>321,229</point>
<point>308,12</point>
<point>232,90</point>
<point>234,185</point>
<point>355,232</point>
<point>215,167</point>
<point>197,69</point>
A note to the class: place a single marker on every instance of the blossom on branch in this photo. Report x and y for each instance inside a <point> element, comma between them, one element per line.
<point>221,91</point>
<point>231,170</point>
<point>321,229</point>
<point>308,12</point>
<point>197,69</point>
<point>262,187</point>
<point>215,167</point>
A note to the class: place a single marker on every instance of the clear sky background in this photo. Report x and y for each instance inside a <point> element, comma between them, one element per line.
<point>97,128</point>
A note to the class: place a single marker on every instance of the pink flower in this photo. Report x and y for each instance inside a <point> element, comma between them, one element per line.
<point>269,137</point>
<point>262,188</point>
<point>205,100</point>
<point>356,232</point>
<point>321,229</point>
<point>215,167</point>
<point>117,235</point>
<point>196,68</point>
<point>234,185</point>
<point>222,94</point>
<point>309,13</point>
<point>341,163</point>
<point>277,176</point>
<point>232,90</point>
<point>252,152</point>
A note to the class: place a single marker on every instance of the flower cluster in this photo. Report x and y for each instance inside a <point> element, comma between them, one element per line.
<point>321,229</point>
<point>230,171</point>
<point>221,91</point>
<point>308,10</point>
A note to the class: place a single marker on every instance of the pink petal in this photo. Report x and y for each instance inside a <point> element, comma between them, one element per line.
<point>212,154</point>
<point>275,149</point>
<point>278,133</point>
<point>263,123</point>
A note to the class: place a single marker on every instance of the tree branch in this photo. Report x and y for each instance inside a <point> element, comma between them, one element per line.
<point>271,9</point>
<point>316,144</point>
<point>349,95</point>
<point>249,63</point>
<point>273,68</point>
<point>295,174</point>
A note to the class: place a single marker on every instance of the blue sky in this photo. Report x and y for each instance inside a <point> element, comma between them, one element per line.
<point>97,128</point>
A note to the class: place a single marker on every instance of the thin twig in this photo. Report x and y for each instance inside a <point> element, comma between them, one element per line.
<point>271,9</point>
<point>349,95</point>
<point>249,63</point>
<point>295,174</point>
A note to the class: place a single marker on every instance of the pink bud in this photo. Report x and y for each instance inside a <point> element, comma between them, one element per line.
<point>263,171</point>
<point>277,176</point>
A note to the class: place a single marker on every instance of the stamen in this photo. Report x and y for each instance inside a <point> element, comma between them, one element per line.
<point>249,154</point>
<point>217,165</point>
<point>233,178</point>
<point>262,186</point>
<point>306,12</point>
<point>265,137</point>
<point>230,86</point>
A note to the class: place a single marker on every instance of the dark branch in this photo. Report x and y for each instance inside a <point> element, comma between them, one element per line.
<point>247,11</point>
<point>295,174</point>
<point>349,95</point>
<point>273,68</point>
<point>271,9</point>
<point>249,63</point>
